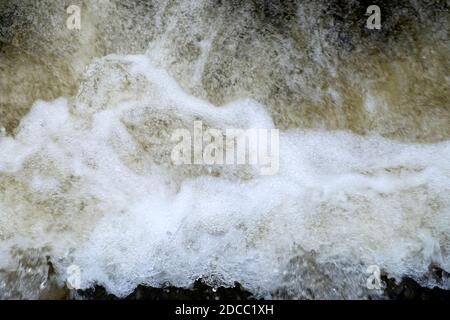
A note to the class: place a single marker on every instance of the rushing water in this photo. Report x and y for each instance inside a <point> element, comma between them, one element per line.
<point>86,177</point>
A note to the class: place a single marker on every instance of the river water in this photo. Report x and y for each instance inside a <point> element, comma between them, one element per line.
<point>87,181</point>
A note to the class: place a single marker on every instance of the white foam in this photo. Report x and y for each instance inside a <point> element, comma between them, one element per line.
<point>91,180</point>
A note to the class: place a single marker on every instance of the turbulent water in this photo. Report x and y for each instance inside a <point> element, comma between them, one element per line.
<point>87,179</point>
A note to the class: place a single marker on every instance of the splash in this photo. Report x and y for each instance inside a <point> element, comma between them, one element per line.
<point>92,180</point>
<point>87,180</point>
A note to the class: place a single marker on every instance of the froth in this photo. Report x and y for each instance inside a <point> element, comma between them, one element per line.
<point>91,180</point>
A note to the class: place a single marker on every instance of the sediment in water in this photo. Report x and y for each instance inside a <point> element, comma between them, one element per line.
<point>85,179</point>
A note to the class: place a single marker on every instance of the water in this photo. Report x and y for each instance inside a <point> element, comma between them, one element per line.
<point>86,178</point>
